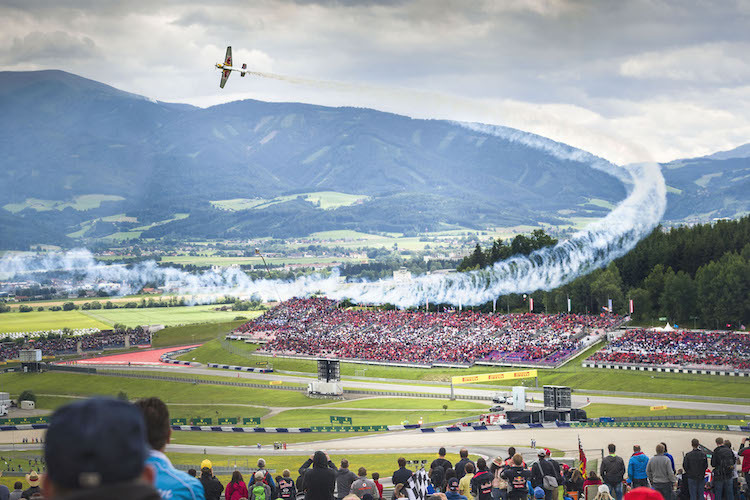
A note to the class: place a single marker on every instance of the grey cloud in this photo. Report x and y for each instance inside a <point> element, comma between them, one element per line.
<point>39,47</point>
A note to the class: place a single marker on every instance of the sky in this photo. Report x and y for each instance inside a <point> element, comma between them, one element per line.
<point>629,80</point>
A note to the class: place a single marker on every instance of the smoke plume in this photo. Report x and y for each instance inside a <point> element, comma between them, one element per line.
<point>548,268</point>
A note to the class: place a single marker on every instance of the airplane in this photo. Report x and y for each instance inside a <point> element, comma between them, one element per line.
<point>226,68</point>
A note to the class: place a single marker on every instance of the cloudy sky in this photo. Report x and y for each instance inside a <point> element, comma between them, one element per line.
<point>629,80</point>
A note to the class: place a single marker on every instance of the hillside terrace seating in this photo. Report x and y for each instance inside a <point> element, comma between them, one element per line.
<point>316,327</point>
<point>94,342</point>
<point>679,348</point>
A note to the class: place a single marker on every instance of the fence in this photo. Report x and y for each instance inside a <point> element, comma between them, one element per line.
<point>665,369</point>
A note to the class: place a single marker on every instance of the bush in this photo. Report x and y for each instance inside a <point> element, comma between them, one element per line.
<point>27,396</point>
<point>25,309</point>
<point>40,309</point>
<point>68,306</point>
<point>55,308</point>
<point>131,305</point>
<point>122,396</point>
<point>238,318</point>
<point>4,308</point>
<point>96,305</point>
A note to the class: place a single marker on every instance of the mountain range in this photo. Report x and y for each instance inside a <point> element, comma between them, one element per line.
<point>84,161</point>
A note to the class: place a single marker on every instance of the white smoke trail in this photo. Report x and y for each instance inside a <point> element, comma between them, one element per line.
<point>545,269</point>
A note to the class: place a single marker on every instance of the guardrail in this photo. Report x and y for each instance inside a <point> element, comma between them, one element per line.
<point>664,369</point>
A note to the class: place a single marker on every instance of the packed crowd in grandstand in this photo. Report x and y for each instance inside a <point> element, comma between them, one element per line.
<point>317,326</point>
<point>679,348</point>
<point>67,345</point>
<point>80,465</point>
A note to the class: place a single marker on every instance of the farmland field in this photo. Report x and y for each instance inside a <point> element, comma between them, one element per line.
<point>168,316</point>
<point>35,321</point>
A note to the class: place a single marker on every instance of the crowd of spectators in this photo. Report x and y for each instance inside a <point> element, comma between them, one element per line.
<point>55,345</point>
<point>107,448</point>
<point>720,349</point>
<point>318,327</point>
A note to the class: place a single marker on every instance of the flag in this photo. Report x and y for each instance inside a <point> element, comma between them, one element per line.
<point>581,458</point>
<point>609,304</point>
<point>631,308</point>
<point>568,304</point>
<point>531,304</point>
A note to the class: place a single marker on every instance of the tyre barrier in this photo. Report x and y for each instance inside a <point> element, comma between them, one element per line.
<point>570,425</point>
<point>167,358</point>
<point>665,369</point>
<point>240,368</point>
<point>23,427</point>
<point>293,430</point>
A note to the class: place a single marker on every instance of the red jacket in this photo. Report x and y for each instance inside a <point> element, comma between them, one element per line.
<point>235,491</point>
<point>745,454</point>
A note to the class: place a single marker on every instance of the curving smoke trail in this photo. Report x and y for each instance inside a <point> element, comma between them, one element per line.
<point>545,269</point>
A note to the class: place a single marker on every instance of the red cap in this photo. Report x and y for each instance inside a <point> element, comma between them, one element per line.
<point>643,493</point>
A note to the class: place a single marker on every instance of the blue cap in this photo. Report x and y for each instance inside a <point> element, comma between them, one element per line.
<point>453,484</point>
<point>538,492</point>
<point>94,442</point>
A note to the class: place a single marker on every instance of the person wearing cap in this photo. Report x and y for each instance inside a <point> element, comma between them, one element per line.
<point>602,493</point>
<point>259,490</point>
<point>97,449</point>
<point>539,493</point>
<point>33,479</point>
<point>212,487</point>
<point>171,483</point>
<point>545,468</point>
<point>267,477</point>
<point>451,490</point>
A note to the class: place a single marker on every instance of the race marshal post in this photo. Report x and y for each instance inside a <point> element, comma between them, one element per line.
<point>493,377</point>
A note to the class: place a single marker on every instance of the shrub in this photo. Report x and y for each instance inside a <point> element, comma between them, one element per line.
<point>27,396</point>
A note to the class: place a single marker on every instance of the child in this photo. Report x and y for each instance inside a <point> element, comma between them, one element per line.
<point>375,478</point>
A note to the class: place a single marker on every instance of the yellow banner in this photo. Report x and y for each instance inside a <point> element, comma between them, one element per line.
<point>655,408</point>
<point>492,377</point>
<point>276,382</point>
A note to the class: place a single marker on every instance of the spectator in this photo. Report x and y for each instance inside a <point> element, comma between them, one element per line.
<point>516,476</point>
<point>33,479</point>
<point>670,457</point>
<point>212,487</point>
<point>267,478</point>
<point>171,483</point>
<point>603,493</point>
<point>723,463</point>
<point>96,449</point>
<point>637,468</point>
<point>451,490</point>
<point>402,474</point>
<point>695,464</point>
<point>17,491</point>
<point>482,484</point>
<point>344,480</point>
<point>320,479</point>
<point>236,488</point>
<point>460,466</point>
<point>660,473</point>
<point>286,487</point>
<point>744,453</point>
<point>192,473</point>
<point>539,493</point>
<point>612,471</point>
<point>438,467</point>
<point>376,480</point>
<point>4,491</point>
<point>363,485</point>
<point>575,484</point>
<point>544,475</point>
<point>464,484</point>
<point>591,480</point>
<point>260,490</point>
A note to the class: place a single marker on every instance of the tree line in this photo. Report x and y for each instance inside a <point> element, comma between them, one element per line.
<point>696,275</point>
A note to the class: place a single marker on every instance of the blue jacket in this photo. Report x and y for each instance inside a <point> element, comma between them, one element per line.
<point>637,466</point>
<point>454,495</point>
<point>173,484</point>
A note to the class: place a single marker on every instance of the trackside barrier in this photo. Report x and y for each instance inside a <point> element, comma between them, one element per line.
<point>664,369</point>
<point>569,425</point>
<point>167,358</point>
<point>294,430</point>
<point>240,368</point>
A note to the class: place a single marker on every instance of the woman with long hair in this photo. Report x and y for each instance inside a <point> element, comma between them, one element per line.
<point>236,488</point>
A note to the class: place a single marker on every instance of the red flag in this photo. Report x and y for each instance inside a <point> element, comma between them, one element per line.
<point>631,306</point>
<point>581,458</point>
<point>531,304</point>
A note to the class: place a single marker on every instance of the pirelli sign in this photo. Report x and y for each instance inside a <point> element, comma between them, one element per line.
<point>493,377</point>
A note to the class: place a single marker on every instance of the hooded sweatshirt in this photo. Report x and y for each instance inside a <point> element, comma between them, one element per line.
<point>637,466</point>
<point>320,480</point>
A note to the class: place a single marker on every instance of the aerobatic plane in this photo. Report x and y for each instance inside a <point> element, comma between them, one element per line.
<point>226,68</point>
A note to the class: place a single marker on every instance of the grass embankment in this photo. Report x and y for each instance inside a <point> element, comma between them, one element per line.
<point>409,404</point>
<point>195,334</point>
<point>572,374</point>
<point>596,410</point>
<point>104,319</point>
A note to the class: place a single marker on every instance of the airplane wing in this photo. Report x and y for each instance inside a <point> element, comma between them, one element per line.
<point>228,58</point>
<point>224,76</point>
<point>227,62</point>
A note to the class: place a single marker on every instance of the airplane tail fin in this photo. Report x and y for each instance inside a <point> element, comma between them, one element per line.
<point>244,67</point>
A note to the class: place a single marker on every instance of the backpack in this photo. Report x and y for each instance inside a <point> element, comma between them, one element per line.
<point>484,485</point>
<point>437,476</point>
<point>259,492</point>
<point>285,489</point>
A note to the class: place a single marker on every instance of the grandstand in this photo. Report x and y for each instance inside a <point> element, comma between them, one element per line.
<point>318,327</point>
<point>68,344</point>
<point>721,350</point>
